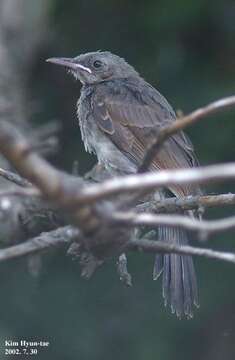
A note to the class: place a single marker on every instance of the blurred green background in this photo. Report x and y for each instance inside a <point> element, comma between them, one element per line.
<point>187,50</point>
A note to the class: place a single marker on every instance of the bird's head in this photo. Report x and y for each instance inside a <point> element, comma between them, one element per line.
<point>95,67</point>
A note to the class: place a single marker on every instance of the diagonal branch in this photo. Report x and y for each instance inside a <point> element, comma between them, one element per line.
<point>45,241</point>
<point>182,123</point>
<point>152,246</point>
<point>14,178</point>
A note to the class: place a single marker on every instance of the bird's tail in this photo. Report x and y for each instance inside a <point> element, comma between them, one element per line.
<point>179,283</point>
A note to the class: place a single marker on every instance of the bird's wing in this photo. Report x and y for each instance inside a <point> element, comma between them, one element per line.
<point>132,116</point>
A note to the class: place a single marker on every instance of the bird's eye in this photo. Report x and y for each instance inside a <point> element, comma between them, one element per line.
<point>97,64</point>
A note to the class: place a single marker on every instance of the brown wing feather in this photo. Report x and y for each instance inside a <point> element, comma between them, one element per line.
<point>132,123</point>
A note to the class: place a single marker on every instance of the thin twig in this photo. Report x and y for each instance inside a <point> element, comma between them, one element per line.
<point>15,178</point>
<point>163,247</point>
<point>31,191</point>
<point>182,123</point>
<point>173,205</point>
<point>52,239</point>
<point>203,226</point>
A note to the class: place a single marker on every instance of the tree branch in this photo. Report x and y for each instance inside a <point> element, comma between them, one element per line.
<point>154,180</point>
<point>169,205</point>
<point>202,226</point>
<point>20,192</point>
<point>152,246</point>
<point>68,234</point>
<point>182,123</point>
<point>52,239</point>
<point>14,178</point>
<point>65,189</point>
<point>173,205</point>
<point>82,201</point>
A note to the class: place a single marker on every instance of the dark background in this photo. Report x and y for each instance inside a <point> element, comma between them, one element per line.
<point>186,49</point>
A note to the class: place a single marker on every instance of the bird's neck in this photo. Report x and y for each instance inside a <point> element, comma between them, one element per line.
<point>129,79</point>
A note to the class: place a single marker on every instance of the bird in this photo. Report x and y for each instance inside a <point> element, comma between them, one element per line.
<point>120,114</point>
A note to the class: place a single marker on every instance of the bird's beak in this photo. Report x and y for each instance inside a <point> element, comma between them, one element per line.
<point>69,63</point>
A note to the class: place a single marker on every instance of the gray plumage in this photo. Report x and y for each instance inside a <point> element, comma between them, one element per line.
<point>119,115</point>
